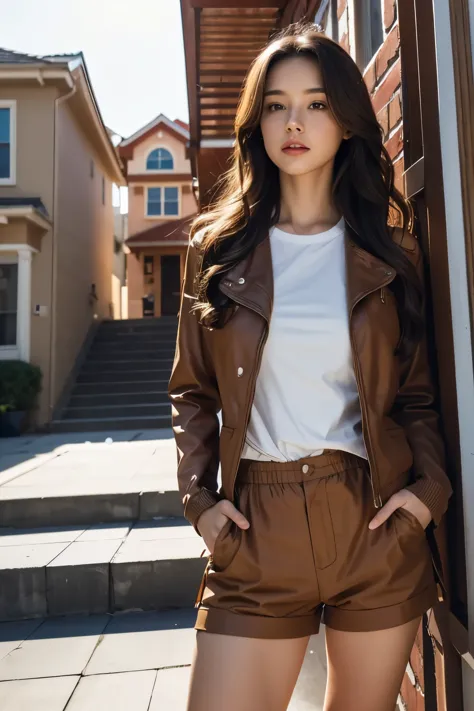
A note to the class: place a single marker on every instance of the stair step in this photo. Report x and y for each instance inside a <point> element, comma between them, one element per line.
<point>102,424</point>
<point>154,397</point>
<point>131,387</point>
<point>104,569</point>
<point>147,409</point>
<point>119,356</point>
<point>123,376</point>
<point>126,365</point>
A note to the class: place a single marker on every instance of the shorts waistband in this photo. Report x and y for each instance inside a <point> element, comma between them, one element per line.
<point>331,461</point>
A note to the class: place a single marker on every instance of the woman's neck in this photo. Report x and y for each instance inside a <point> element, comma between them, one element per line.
<point>307,205</point>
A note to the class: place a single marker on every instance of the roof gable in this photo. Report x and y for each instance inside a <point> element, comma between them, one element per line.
<point>160,122</point>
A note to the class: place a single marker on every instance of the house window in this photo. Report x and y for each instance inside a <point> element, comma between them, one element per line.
<point>8,303</point>
<point>7,142</point>
<point>159,159</point>
<point>369,30</point>
<point>162,201</point>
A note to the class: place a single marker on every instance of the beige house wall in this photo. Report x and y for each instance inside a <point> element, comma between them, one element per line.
<point>34,178</point>
<point>85,246</point>
<point>137,219</point>
<point>176,147</point>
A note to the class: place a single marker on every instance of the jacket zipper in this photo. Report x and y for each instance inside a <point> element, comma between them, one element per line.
<point>261,344</point>
<point>378,503</point>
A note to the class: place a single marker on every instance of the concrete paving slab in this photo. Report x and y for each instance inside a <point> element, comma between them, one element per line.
<point>37,694</point>
<point>162,530</point>
<point>160,503</point>
<point>171,689</point>
<point>145,641</point>
<point>58,647</point>
<point>35,536</point>
<point>29,556</point>
<point>12,634</point>
<point>135,550</point>
<point>120,692</point>
<point>106,531</point>
<point>86,553</point>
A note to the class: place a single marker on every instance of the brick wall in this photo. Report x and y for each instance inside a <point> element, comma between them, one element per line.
<point>383,78</point>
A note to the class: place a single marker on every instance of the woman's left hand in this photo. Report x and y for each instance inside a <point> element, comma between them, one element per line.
<point>404,499</point>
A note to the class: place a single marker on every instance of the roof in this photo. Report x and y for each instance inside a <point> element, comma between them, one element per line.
<point>8,56</point>
<point>172,231</point>
<point>145,131</point>
<point>34,202</point>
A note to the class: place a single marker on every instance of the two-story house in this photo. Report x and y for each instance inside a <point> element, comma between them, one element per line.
<point>161,206</point>
<point>57,167</point>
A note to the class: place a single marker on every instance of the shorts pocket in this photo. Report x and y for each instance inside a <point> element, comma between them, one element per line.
<point>409,532</point>
<point>226,546</point>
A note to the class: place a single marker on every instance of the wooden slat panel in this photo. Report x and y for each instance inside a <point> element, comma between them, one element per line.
<point>237,4</point>
<point>220,32</point>
<point>218,102</point>
<point>224,70</point>
<point>208,85</point>
<point>254,12</point>
<point>215,93</point>
<point>220,111</point>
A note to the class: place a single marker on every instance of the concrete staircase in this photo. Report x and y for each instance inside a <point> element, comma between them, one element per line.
<point>97,553</point>
<point>123,381</point>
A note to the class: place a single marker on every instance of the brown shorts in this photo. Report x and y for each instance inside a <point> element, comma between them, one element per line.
<point>309,555</point>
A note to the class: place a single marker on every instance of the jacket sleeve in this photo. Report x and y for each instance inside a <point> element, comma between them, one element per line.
<point>415,411</point>
<point>195,402</point>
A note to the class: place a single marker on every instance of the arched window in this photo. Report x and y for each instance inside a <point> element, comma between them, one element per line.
<point>159,159</point>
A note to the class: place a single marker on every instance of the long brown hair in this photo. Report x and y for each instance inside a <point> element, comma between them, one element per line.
<point>248,201</point>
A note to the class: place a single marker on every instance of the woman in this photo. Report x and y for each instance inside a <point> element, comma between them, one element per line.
<point>302,321</point>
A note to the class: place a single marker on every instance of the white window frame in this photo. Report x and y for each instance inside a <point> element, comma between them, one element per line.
<point>163,215</point>
<point>12,351</point>
<point>160,170</point>
<point>11,104</point>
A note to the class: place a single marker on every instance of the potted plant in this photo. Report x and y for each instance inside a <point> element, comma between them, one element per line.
<point>20,383</point>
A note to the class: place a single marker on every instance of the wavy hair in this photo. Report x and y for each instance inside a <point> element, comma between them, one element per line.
<point>248,193</point>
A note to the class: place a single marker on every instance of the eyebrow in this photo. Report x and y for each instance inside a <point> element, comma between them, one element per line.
<point>278,92</point>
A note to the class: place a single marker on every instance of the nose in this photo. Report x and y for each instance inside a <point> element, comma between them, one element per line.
<point>294,124</point>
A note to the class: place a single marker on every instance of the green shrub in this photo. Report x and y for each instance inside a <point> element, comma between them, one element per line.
<point>20,383</point>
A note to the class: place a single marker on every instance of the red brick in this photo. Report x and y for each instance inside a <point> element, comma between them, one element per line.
<point>341,6</point>
<point>369,77</point>
<point>389,13</point>
<point>388,87</point>
<point>382,118</point>
<point>388,52</point>
<point>394,111</point>
<point>344,42</point>
<point>394,145</point>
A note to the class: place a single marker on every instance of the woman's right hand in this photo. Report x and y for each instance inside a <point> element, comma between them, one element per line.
<point>212,520</point>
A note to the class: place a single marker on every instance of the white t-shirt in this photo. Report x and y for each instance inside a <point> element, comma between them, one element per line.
<point>306,397</point>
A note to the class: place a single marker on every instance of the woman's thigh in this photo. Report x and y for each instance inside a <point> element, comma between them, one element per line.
<point>365,669</point>
<point>244,673</point>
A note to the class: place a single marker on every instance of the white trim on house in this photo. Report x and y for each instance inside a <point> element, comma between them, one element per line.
<point>29,212</point>
<point>163,214</point>
<point>159,119</point>
<point>24,256</point>
<point>11,104</point>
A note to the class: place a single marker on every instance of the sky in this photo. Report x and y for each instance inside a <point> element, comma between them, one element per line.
<point>133,51</point>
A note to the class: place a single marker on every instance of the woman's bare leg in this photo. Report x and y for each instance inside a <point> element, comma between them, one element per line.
<point>365,669</point>
<point>244,674</point>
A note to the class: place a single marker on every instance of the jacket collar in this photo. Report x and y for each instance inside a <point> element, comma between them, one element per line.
<point>250,281</point>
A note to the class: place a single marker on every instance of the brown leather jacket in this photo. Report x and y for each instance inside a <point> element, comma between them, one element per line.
<point>217,370</point>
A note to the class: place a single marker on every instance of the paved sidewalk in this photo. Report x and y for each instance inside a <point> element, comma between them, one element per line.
<point>138,660</point>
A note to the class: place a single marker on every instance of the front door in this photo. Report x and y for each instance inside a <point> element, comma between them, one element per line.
<point>170,284</point>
